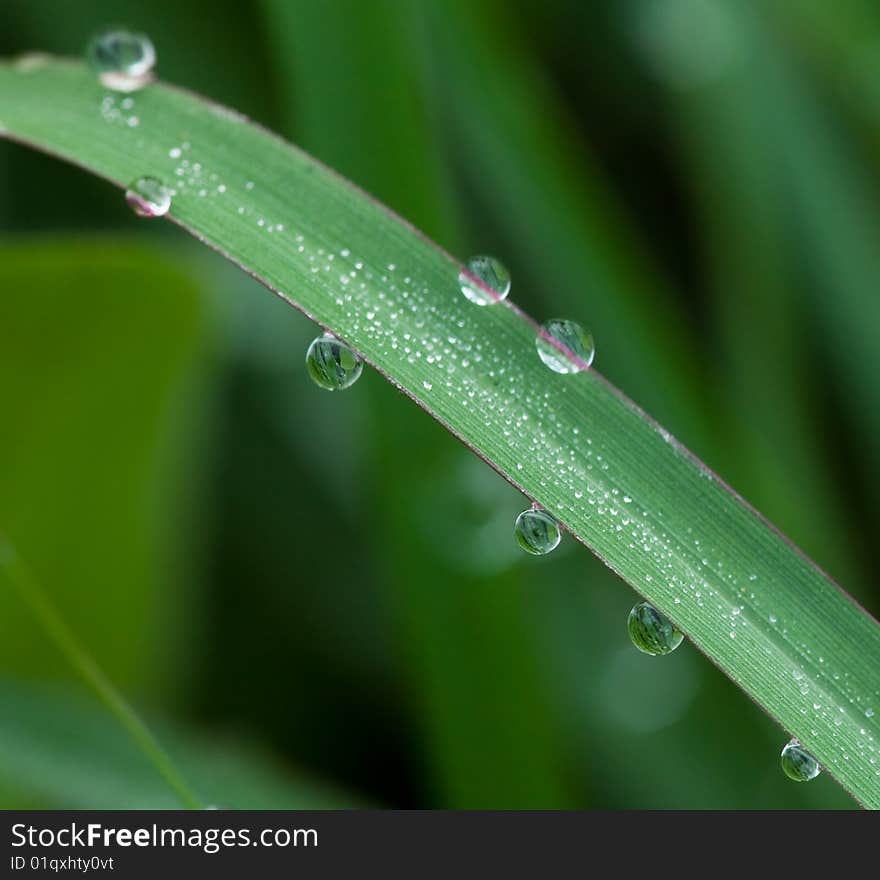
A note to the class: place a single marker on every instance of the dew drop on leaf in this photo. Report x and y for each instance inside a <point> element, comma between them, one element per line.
<point>148,197</point>
<point>651,632</point>
<point>332,364</point>
<point>797,763</point>
<point>484,281</point>
<point>537,532</point>
<point>123,60</point>
<point>565,346</point>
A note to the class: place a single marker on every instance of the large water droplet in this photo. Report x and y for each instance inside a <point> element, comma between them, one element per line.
<point>484,281</point>
<point>332,364</point>
<point>537,532</point>
<point>123,60</point>
<point>797,763</point>
<point>148,197</point>
<point>565,346</point>
<point>651,632</point>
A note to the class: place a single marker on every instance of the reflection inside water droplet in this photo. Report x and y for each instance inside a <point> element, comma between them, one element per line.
<point>484,281</point>
<point>797,763</point>
<point>332,364</point>
<point>565,346</point>
<point>537,532</point>
<point>123,60</point>
<point>651,632</point>
<point>148,197</point>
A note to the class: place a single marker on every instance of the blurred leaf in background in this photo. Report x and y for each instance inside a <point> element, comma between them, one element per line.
<point>58,750</point>
<point>97,342</point>
<point>693,179</point>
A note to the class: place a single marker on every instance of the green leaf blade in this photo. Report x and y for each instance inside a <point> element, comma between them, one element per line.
<point>746,597</point>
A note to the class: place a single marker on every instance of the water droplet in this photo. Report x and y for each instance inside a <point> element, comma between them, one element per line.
<point>332,364</point>
<point>797,763</point>
<point>484,281</point>
<point>537,532</point>
<point>651,632</point>
<point>147,197</point>
<point>124,61</point>
<point>565,346</point>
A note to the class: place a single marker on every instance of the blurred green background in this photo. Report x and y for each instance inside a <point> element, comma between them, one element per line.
<point>315,599</point>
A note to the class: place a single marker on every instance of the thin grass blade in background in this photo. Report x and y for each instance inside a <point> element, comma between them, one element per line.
<point>60,751</point>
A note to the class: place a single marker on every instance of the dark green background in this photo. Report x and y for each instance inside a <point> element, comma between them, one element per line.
<point>316,599</point>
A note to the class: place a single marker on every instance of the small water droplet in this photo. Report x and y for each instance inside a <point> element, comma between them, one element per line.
<point>147,197</point>
<point>565,346</point>
<point>651,632</point>
<point>123,60</point>
<point>332,364</point>
<point>484,281</point>
<point>797,763</point>
<point>537,532</point>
